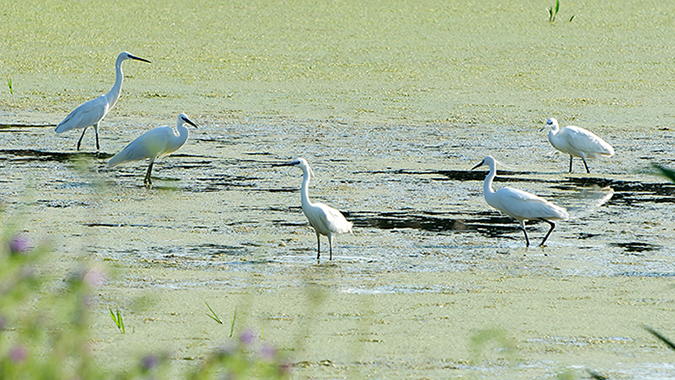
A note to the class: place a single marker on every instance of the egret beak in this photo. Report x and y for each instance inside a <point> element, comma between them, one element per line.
<point>549,124</point>
<point>139,58</point>
<point>185,119</point>
<point>479,165</point>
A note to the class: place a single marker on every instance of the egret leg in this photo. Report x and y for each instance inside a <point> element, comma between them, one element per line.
<point>586,165</point>
<point>570,163</point>
<point>318,245</point>
<point>549,231</point>
<point>147,181</point>
<point>98,148</point>
<point>527,239</point>
<point>330,245</point>
<point>80,140</point>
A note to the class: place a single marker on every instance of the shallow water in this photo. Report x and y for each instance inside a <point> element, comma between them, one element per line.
<point>392,104</point>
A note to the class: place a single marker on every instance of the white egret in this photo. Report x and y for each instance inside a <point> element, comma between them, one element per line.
<point>92,112</point>
<point>518,204</point>
<point>324,219</point>
<point>154,143</point>
<point>577,142</point>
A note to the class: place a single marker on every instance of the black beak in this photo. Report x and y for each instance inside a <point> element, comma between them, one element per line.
<point>139,58</point>
<point>479,165</point>
<point>190,122</point>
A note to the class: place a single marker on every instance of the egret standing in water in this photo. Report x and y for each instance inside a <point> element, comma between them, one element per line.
<point>154,143</point>
<point>92,112</point>
<point>324,219</point>
<point>577,142</point>
<point>518,204</point>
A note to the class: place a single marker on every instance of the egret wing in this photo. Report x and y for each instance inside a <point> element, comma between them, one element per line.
<point>150,144</point>
<point>523,205</point>
<point>586,141</point>
<point>85,115</point>
<point>331,220</point>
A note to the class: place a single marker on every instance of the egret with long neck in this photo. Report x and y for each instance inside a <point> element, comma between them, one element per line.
<point>157,142</point>
<point>518,204</point>
<point>92,112</point>
<point>577,142</point>
<point>324,219</point>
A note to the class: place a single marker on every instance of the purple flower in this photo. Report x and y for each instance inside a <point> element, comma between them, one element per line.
<point>247,337</point>
<point>20,244</point>
<point>18,354</point>
<point>149,362</point>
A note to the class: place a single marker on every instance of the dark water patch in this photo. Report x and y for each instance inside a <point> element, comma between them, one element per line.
<point>486,223</point>
<point>458,175</point>
<point>259,154</point>
<point>585,235</point>
<point>403,220</point>
<point>199,165</point>
<point>116,225</point>
<point>285,223</point>
<point>221,182</point>
<point>479,175</point>
<point>636,247</point>
<point>34,154</point>
<point>637,199</point>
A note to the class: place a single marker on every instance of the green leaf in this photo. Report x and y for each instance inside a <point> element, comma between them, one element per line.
<point>121,322</point>
<point>214,316</point>
<point>234,318</point>
<point>557,6</point>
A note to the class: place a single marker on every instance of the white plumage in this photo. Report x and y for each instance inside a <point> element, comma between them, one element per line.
<point>324,219</point>
<point>154,143</point>
<point>92,112</point>
<point>518,204</point>
<point>577,142</point>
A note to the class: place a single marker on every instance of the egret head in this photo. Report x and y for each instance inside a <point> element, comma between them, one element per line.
<point>302,163</point>
<point>551,123</point>
<point>479,165</point>
<point>488,160</point>
<point>183,118</point>
<point>126,55</point>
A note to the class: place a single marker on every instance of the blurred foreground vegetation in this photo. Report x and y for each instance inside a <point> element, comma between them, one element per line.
<point>45,334</point>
